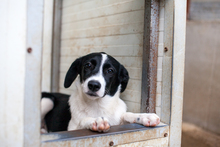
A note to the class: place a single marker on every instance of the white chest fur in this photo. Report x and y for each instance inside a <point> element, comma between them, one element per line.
<point>82,107</point>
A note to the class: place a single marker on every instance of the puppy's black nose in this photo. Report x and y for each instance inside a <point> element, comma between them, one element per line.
<point>94,85</point>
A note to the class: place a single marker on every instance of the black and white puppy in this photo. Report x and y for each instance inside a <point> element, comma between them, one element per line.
<point>96,103</point>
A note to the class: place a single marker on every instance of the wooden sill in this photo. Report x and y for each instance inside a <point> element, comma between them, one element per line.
<point>118,135</point>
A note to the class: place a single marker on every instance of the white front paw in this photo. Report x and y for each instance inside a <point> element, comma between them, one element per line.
<point>149,119</point>
<point>100,124</point>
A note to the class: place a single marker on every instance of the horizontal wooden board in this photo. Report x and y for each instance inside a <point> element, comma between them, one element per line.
<point>99,8</point>
<point>122,50</point>
<point>130,61</point>
<point>126,61</point>
<point>132,96</point>
<point>130,39</point>
<point>82,5</point>
<point>113,30</point>
<point>68,3</point>
<point>132,106</point>
<point>122,18</point>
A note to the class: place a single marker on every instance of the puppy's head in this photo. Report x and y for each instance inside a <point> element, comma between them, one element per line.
<point>100,75</point>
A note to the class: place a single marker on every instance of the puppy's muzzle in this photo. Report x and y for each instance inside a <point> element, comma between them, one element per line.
<point>94,86</point>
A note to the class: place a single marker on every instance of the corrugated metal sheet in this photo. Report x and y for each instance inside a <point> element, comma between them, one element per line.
<point>115,27</point>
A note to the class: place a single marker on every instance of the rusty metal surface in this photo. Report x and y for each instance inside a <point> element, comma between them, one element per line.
<point>150,53</point>
<point>85,133</point>
<point>161,142</point>
<point>116,136</point>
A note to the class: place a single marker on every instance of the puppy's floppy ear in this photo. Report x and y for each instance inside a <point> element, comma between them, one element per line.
<point>124,78</point>
<point>72,73</point>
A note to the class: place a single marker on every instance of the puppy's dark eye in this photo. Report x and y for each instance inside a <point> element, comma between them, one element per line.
<point>88,66</point>
<point>110,71</point>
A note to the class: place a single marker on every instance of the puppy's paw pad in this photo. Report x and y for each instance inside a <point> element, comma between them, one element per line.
<point>93,126</point>
<point>100,124</point>
<point>150,120</point>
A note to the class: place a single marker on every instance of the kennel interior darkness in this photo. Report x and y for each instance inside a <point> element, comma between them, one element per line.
<point>148,37</point>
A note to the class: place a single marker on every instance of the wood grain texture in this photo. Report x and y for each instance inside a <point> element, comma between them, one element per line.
<point>115,27</point>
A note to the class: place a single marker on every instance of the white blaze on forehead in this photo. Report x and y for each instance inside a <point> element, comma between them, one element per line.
<point>97,77</point>
<point>104,58</point>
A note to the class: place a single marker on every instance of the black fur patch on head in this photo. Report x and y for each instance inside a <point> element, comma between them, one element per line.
<point>113,72</point>
<point>79,66</point>
<point>119,75</point>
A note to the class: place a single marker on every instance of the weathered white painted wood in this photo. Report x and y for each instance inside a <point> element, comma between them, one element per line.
<point>94,10</point>
<point>132,106</point>
<point>56,45</point>
<point>47,45</point>
<point>67,3</point>
<point>21,28</point>
<point>178,72</point>
<point>132,96</point>
<point>130,39</point>
<point>126,61</point>
<point>12,73</point>
<point>122,50</point>
<point>121,29</point>
<point>33,73</point>
<point>122,18</point>
<point>115,27</point>
<point>89,5</point>
<point>167,62</point>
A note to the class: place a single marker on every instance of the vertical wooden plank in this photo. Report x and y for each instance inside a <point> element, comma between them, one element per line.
<point>20,74</point>
<point>47,45</point>
<point>56,45</point>
<point>167,62</point>
<point>160,58</point>
<point>178,72</point>
<point>12,71</point>
<point>33,73</point>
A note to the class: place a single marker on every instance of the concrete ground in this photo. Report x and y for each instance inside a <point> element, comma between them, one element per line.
<point>193,136</point>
